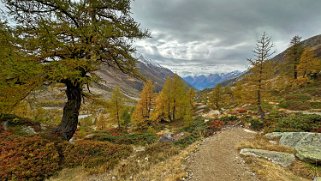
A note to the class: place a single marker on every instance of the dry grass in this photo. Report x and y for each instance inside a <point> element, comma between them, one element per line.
<point>260,142</point>
<point>267,171</point>
<point>72,174</point>
<point>305,170</point>
<point>167,165</point>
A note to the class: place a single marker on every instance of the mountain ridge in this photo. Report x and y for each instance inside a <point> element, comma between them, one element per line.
<point>201,82</point>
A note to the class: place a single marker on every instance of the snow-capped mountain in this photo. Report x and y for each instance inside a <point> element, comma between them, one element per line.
<point>131,86</point>
<point>201,82</point>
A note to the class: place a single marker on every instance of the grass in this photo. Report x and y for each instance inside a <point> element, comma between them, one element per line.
<point>160,161</point>
<point>267,171</point>
<point>260,142</point>
<point>126,138</point>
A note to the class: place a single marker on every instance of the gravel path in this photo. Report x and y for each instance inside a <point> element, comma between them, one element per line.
<point>218,160</point>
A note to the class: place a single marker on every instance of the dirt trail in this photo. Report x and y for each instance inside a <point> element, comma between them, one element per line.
<point>218,159</point>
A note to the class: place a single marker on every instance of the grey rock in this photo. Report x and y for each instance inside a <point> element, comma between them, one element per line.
<point>306,144</point>
<point>283,159</point>
<point>5,125</point>
<point>90,136</point>
<point>291,139</point>
<point>274,135</point>
<point>28,130</point>
<point>167,138</point>
<point>309,148</point>
<point>317,179</point>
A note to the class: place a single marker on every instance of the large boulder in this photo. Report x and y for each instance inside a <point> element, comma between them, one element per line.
<point>306,144</point>
<point>291,139</point>
<point>283,159</point>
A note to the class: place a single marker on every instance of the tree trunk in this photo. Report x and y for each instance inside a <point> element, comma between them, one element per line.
<point>69,121</point>
<point>259,105</point>
<point>295,74</point>
<point>174,110</point>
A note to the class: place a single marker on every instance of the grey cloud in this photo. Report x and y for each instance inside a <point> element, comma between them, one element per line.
<point>220,32</point>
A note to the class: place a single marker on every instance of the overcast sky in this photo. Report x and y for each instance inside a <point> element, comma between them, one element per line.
<point>210,36</point>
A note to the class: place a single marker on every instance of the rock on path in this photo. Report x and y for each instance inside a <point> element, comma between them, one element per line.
<point>218,160</point>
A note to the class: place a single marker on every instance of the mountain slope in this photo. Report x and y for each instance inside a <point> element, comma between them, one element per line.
<point>202,82</point>
<point>313,42</point>
<point>130,86</point>
<point>279,60</point>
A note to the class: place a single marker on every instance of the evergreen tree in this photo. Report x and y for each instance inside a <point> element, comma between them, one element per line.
<point>117,105</point>
<point>262,53</point>
<point>73,38</point>
<point>145,105</point>
<point>293,56</point>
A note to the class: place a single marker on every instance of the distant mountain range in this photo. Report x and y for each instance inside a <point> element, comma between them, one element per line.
<point>201,82</point>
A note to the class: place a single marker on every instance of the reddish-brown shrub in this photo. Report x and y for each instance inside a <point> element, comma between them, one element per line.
<point>241,110</point>
<point>214,126</point>
<point>24,158</point>
<point>36,158</point>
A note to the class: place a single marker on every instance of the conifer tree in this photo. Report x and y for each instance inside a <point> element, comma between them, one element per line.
<point>293,56</point>
<point>262,53</point>
<point>117,105</point>
<point>309,65</point>
<point>173,101</point>
<point>18,75</point>
<point>145,105</point>
<point>73,38</point>
<point>191,96</point>
<point>216,97</point>
<point>238,93</point>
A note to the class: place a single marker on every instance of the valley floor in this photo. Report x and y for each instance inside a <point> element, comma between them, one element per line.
<point>218,158</point>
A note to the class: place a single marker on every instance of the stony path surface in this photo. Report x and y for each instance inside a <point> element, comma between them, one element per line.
<point>218,160</point>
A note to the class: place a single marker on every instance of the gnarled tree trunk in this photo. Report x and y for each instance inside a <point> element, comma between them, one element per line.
<point>69,121</point>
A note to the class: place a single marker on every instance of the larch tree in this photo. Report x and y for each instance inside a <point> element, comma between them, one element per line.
<point>18,75</point>
<point>293,56</point>
<point>216,97</point>
<point>262,53</point>
<point>238,93</point>
<point>145,105</point>
<point>117,106</point>
<point>72,38</point>
<point>191,96</point>
<point>173,101</point>
<point>309,64</point>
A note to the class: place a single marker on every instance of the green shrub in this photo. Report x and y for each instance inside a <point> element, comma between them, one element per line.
<point>197,129</point>
<point>315,105</point>
<point>228,118</point>
<point>299,122</point>
<point>295,104</point>
<point>90,154</point>
<point>298,97</point>
<point>256,124</point>
<point>124,138</point>
<point>298,101</point>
